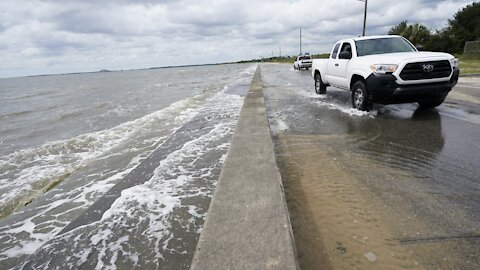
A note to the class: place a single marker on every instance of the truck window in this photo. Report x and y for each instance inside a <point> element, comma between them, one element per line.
<point>335,50</point>
<point>383,45</point>
<point>346,47</point>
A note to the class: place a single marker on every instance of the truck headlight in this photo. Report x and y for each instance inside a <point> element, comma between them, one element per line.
<point>383,68</point>
<point>454,63</point>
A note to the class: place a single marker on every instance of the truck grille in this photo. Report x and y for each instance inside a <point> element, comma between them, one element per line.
<point>415,71</point>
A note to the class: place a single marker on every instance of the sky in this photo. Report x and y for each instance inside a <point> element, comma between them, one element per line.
<point>62,36</point>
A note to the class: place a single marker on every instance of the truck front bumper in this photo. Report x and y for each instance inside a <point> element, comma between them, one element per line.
<point>384,89</point>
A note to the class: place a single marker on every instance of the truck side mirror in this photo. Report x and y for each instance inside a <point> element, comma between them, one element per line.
<point>345,55</point>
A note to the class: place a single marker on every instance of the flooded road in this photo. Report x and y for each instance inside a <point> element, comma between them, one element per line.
<point>393,188</point>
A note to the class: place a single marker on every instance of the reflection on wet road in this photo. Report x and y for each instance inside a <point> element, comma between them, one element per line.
<point>394,188</point>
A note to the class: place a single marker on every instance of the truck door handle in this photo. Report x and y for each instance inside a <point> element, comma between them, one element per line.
<point>336,65</point>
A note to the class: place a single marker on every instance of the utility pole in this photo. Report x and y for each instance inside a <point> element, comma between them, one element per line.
<point>280,48</point>
<point>364,16</point>
<point>300,40</point>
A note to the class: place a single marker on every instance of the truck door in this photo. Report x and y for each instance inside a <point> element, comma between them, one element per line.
<point>338,69</point>
<point>331,65</point>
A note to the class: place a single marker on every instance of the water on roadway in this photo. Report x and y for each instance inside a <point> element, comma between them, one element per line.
<point>394,188</point>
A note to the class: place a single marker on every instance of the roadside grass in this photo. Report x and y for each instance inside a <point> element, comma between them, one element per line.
<point>469,64</point>
<point>283,59</point>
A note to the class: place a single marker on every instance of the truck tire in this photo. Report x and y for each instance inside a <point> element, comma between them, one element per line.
<point>428,104</point>
<point>360,98</point>
<point>320,87</point>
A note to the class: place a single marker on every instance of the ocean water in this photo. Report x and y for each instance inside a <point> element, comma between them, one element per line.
<point>65,140</point>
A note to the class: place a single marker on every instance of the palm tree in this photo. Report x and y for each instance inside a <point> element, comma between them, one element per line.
<point>398,29</point>
<point>416,33</point>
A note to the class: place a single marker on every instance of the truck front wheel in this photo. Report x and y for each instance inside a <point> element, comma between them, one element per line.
<point>320,88</point>
<point>360,97</point>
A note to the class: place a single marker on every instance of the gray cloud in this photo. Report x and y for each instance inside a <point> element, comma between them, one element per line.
<point>52,36</point>
<point>206,14</point>
<point>82,22</point>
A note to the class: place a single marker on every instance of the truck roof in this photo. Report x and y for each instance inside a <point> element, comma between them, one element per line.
<point>367,37</point>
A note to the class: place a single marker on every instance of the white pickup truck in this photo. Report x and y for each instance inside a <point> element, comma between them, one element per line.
<point>303,61</point>
<point>386,70</point>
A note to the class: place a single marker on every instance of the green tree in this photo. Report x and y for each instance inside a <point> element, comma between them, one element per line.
<point>465,26</point>
<point>398,29</point>
<point>418,34</point>
<point>440,41</point>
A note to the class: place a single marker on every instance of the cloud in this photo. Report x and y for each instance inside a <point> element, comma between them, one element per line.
<point>49,36</point>
<point>129,19</point>
<point>205,13</point>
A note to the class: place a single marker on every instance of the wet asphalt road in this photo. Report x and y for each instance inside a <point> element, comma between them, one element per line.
<point>394,188</point>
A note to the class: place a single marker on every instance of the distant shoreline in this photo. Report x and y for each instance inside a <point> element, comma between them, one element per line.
<point>150,68</point>
<point>274,59</point>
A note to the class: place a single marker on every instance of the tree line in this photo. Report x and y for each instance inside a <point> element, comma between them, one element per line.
<point>465,26</point>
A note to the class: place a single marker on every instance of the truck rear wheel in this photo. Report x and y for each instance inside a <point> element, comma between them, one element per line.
<point>320,88</point>
<point>360,98</point>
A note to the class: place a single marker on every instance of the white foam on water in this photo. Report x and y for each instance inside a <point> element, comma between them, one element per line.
<point>278,123</point>
<point>58,159</point>
<point>26,172</point>
<point>81,197</point>
<point>349,111</point>
<point>250,70</point>
<point>397,110</point>
<point>310,94</point>
<point>155,201</point>
<point>323,101</point>
<point>371,257</point>
<point>281,125</point>
<point>152,202</point>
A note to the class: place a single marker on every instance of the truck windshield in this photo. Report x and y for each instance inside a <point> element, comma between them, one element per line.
<point>383,45</point>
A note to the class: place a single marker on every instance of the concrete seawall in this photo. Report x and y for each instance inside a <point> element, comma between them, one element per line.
<point>247,225</point>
